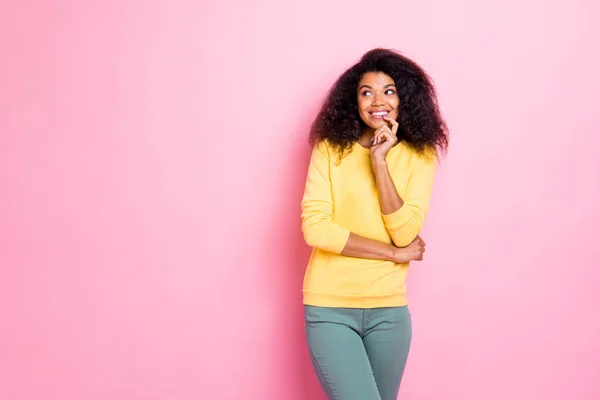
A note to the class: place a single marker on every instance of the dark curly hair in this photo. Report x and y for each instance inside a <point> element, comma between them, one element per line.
<point>420,123</point>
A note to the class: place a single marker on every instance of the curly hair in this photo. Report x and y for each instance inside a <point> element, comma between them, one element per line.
<point>420,123</point>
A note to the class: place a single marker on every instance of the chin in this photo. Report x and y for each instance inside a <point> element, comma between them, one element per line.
<point>376,124</point>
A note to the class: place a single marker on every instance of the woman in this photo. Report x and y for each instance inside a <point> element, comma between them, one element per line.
<point>376,144</point>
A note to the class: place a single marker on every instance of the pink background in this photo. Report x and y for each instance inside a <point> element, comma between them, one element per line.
<point>153,157</point>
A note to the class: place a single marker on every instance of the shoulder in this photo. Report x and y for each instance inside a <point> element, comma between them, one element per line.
<point>323,148</point>
<point>427,156</point>
<point>331,150</point>
<point>323,145</point>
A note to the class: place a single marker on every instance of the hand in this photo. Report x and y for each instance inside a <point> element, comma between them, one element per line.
<point>413,252</point>
<point>384,139</point>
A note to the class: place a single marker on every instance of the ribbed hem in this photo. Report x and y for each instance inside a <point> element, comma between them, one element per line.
<point>348,301</point>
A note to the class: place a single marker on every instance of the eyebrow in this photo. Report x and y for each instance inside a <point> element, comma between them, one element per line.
<point>369,87</point>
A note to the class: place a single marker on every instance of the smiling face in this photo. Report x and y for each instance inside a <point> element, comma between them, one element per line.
<point>377,97</point>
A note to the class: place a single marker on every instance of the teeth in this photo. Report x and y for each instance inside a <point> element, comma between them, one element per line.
<point>379,114</point>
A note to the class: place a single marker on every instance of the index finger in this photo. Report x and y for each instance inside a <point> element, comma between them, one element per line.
<point>393,122</point>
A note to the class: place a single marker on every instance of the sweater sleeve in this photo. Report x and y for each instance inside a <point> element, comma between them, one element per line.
<point>405,223</point>
<point>318,227</point>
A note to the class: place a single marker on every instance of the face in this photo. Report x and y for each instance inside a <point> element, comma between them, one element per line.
<point>377,97</point>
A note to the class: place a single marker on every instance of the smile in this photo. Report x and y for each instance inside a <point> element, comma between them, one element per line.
<point>379,114</point>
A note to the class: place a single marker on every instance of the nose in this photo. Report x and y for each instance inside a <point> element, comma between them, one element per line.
<point>377,100</point>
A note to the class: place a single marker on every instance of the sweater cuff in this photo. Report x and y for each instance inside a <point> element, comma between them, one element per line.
<point>339,241</point>
<point>398,218</point>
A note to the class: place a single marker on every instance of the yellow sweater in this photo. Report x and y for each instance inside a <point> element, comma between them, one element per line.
<point>342,197</point>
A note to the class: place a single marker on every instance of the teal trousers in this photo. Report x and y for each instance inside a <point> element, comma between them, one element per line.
<point>358,353</point>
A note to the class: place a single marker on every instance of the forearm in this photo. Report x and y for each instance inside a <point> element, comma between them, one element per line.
<point>362,247</point>
<point>389,198</point>
<point>400,220</point>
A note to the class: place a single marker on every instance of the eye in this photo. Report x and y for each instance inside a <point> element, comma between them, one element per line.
<point>366,92</point>
<point>390,91</point>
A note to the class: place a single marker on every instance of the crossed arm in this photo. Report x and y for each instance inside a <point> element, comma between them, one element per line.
<point>403,219</point>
